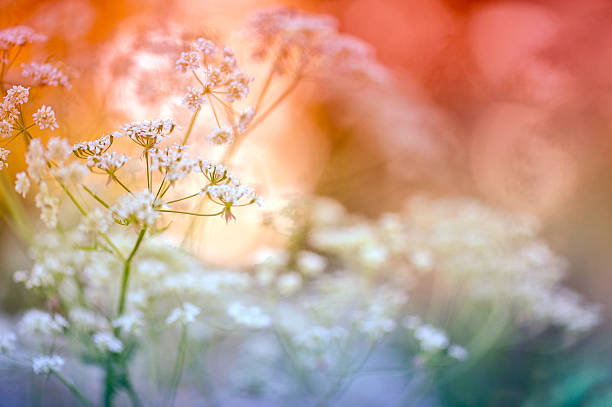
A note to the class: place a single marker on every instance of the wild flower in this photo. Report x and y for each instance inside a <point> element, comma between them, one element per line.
<point>94,148</point>
<point>7,342</point>
<point>45,74</point>
<point>249,317</point>
<point>3,158</point>
<point>220,136</point>
<point>185,314</point>
<point>115,286</point>
<point>47,364</point>
<point>19,36</point>
<point>22,184</point>
<point>148,134</point>
<point>45,118</point>
<point>194,98</point>
<point>107,342</point>
<point>36,322</point>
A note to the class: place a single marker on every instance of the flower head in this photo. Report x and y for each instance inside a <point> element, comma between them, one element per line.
<point>194,98</point>
<point>137,208</point>
<point>107,342</point>
<point>188,61</point>
<point>207,47</point>
<point>3,158</point>
<point>47,364</point>
<point>18,36</point>
<point>249,317</point>
<point>220,136</point>
<point>22,184</point>
<point>185,314</point>
<point>45,118</point>
<point>148,134</point>
<point>45,74</point>
<point>95,147</point>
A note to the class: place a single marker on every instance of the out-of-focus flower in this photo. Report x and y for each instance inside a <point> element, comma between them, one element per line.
<point>3,158</point>
<point>185,314</point>
<point>45,74</point>
<point>249,317</point>
<point>107,342</point>
<point>220,136</point>
<point>22,183</point>
<point>19,36</point>
<point>47,364</point>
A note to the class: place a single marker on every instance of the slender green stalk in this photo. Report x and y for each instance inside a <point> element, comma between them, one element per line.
<point>229,153</point>
<point>190,128</point>
<point>114,177</point>
<point>73,390</point>
<point>177,371</point>
<point>184,198</point>
<point>96,197</point>
<point>126,271</point>
<point>16,210</point>
<point>148,172</point>
<point>190,213</point>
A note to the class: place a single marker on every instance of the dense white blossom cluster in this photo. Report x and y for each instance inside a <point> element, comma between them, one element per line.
<point>19,36</point>
<point>45,74</point>
<point>297,41</point>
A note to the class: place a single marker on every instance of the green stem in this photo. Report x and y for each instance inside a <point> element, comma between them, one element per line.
<point>190,213</point>
<point>178,367</point>
<point>260,118</point>
<point>148,172</point>
<point>73,389</point>
<point>126,270</point>
<point>190,128</point>
<point>184,198</point>
<point>96,197</point>
<point>114,177</point>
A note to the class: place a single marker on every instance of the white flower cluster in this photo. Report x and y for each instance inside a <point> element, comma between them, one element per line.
<point>96,147</point>
<point>9,109</point>
<point>4,158</point>
<point>107,342</point>
<point>47,364</point>
<point>136,208</point>
<point>290,35</point>
<point>40,323</point>
<point>222,83</point>
<point>45,118</point>
<point>19,36</point>
<point>497,256</point>
<point>249,317</point>
<point>173,162</point>
<point>186,314</point>
<point>148,134</point>
<point>45,74</point>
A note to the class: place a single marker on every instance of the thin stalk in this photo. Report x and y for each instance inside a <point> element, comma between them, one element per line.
<point>96,197</point>
<point>15,209</point>
<point>190,128</point>
<point>148,172</point>
<point>177,371</point>
<point>189,213</point>
<point>126,270</point>
<point>73,390</point>
<point>266,84</point>
<point>229,153</point>
<point>184,198</point>
<point>161,186</point>
<point>114,177</point>
<point>73,199</point>
<point>212,107</point>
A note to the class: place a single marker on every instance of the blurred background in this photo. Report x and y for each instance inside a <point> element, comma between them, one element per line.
<point>507,101</point>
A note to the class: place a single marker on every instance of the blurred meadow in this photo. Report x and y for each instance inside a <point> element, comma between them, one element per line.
<point>356,203</point>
